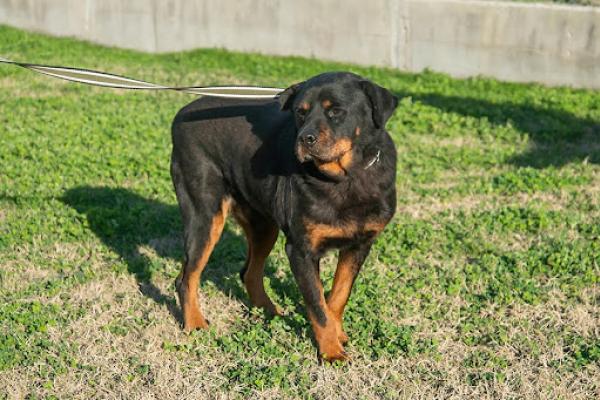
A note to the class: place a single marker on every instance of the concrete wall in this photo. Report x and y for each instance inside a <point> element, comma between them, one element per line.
<point>558,45</point>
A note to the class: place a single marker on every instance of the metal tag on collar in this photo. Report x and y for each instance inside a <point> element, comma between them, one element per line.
<point>374,160</point>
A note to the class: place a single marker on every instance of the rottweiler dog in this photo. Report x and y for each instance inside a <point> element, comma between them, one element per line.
<point>315,163</point>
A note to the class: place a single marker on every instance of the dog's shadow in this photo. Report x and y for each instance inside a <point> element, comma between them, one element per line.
<point>129,223</point>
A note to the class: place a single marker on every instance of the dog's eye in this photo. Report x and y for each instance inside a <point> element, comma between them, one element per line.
<point>301,112</point>
<point>335,113</point>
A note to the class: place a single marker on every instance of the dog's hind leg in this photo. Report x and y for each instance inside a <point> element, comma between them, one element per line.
<point>204,212</point>
<point>261,234</point>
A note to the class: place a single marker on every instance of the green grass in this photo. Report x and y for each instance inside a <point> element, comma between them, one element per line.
<point>485,285</point>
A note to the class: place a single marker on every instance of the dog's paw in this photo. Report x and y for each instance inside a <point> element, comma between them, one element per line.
<point>263,301</point>
<point>340,356</point>
<point>343,337</point>
<point>274,310</point>
<point>195,323</point>
<point>333,351</point>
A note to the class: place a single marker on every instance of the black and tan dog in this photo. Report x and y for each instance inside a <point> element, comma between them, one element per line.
<point>316,163</point>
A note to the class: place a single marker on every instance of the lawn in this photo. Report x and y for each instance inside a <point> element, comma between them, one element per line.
<point>485,284</point>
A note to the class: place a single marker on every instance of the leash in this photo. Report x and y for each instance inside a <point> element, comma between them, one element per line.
<point>97,78</point>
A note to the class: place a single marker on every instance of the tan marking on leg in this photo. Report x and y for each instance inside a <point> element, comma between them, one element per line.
<point>330,348</point>
<point>188,288</point>
<point>259,248</point>
<point>340,292</point>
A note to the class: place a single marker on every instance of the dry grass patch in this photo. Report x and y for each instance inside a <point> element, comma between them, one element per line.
<point>117,341</point>
<point>29,264</point>
<point>16,276</point>
<point>421,208</point>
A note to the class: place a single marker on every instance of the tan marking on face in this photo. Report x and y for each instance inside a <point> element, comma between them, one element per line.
<point>337,167</point>
<point>304,106</point>
<point>335,150</point>
<point>301,152</point>
<point>324,134</point>
<point>332,168</point>
<point>346,160</point>
<point>339,154</point>
<point>340,147</point>
<point>326,104</point>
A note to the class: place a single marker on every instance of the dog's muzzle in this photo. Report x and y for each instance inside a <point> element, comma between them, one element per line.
<point>304,145</point>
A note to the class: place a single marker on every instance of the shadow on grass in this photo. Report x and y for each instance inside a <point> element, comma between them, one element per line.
<point>126,221</point>
<point>556,137</point>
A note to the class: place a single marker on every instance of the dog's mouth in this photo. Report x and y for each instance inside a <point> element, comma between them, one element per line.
<point>324,151</point>
<point>306,154</point>
<point>302,153</point>
<point>316,154</point>
<point>333,160</point>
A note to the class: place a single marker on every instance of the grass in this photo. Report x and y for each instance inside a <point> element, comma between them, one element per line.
<point>484,286</point>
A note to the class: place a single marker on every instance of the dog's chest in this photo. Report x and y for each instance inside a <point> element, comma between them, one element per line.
<point>321,235</point>
<point>349,215</point>
<point>355,224</point>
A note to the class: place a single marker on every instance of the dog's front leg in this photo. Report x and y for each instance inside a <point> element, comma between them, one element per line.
<point>305,266</point>
<point>350,261</point>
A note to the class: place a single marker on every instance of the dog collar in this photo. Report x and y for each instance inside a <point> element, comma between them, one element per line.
<point>374,160</point>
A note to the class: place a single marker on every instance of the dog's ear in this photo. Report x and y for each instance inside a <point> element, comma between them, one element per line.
<point>383,103</point>
<point>286,98</point>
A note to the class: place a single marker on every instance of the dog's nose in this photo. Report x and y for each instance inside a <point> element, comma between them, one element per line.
<point>309,139</point>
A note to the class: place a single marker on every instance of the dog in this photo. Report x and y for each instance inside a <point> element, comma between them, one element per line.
<point>315,163</point>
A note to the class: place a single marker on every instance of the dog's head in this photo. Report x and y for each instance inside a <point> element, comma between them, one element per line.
<point>333,113</point>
